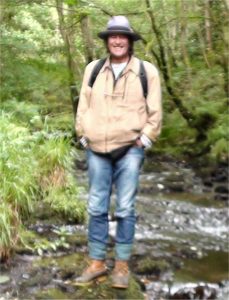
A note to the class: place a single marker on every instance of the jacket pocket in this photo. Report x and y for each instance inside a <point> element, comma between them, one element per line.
<point>128,119</point>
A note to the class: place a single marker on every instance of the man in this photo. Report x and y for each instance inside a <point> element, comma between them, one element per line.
<point>115,123</point>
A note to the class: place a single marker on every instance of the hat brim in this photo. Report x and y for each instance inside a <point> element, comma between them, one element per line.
<point>104,34</point>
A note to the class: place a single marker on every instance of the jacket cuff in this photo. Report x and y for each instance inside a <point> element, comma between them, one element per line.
<point>83,141</point>
<point>151,134</point>
<point>147,143</point>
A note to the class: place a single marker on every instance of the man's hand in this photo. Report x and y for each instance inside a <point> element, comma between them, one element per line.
<point>143,142</point>
<point>139,143</point>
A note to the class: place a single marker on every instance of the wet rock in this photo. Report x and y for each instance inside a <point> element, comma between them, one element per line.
<point>208,183</point>
<point>65,288</point>
<point>41,228</point>
<point>149,266</point>
<point>77,240</point>
<point>43,212</point>
<point>4,279</point>
<point>38,277</point>
<point>80,162</point>
<point>67,274</point>
<point>27,258</point>
<point>157,290</point>
<point>223,197</point>
<point>81,165</point>
<point>25,276</point>
<point>160,186</point>
<point>95,291</point>
<point>220,174</point>
<point>170,229</point>
<point>168,277</point>
<point>195,292</point>
<point>215,178</point>
<point>64,270</point>
<point>192,253</point>
<point>221,189</point>
<point>176,176</point>
<point>147,190</point>
<point>175,186</point>
<point>221,192</point>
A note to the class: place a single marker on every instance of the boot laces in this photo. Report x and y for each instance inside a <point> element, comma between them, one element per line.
<point>121,268</point>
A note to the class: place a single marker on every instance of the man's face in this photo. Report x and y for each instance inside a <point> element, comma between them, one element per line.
<point>118,46</point>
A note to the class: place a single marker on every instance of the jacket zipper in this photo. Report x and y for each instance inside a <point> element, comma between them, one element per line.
<point>107,107</point>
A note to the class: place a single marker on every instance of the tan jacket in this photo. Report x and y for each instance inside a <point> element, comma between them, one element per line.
<point>111,115</point>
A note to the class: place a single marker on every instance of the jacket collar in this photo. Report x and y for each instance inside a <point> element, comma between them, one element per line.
<point>133,65</point>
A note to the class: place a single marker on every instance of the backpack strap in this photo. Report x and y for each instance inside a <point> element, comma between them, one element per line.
<point>143,79</point>
<point>95,71</point>
<point>142,75</point>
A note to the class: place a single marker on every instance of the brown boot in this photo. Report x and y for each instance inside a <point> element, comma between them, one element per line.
<point>96,270</point>
<point>120,274</point>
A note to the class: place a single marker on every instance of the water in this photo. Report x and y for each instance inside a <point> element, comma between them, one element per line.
<point>181,244</point>
<point>212,268</point>
<point>187,224</point>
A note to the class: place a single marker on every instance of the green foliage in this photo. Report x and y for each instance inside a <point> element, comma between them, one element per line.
<point>53,154</point>
<point>71,2</point>
<point>21,112</point>
<point>64,202</point>
<point>218,138</point>
<point>62,232</point>
<point>40,245</point>
<point>170,141</point>
<point>220,149</point>
<point>19,185</point>
<point>32,66</point>
<point>9,222</point>
<point>36,166</point>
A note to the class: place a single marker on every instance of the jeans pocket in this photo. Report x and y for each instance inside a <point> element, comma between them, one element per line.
<point>136,151</point>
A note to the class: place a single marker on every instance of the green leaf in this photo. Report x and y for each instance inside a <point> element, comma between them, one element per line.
<point>39,251</point>
<point>71,2</point>
<point>53,246</point>
<point>4,279</point>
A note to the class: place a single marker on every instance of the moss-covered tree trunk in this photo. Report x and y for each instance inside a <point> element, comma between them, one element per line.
<point>201,123</point>
<point>87,38</point>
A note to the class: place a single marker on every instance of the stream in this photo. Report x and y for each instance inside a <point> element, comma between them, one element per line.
<point>181,242</point>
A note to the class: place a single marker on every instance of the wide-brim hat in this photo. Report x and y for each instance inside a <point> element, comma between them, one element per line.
<point>119,25</point>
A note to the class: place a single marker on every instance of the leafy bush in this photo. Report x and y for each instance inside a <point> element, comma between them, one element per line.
<point>35,166</point>
<point>40,244</point>
<point>64,202</point>
<point>9,228</point>
<point>19,183</point>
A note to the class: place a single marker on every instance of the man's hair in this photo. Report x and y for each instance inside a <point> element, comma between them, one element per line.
<point>131,45</point>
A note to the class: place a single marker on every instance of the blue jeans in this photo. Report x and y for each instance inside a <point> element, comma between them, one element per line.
<point>124,174</point>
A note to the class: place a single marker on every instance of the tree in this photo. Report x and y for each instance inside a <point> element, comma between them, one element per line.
<point>68,38</point>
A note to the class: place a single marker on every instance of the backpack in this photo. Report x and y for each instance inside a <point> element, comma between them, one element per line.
<point>142,75</point>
